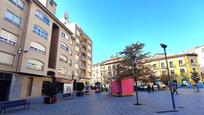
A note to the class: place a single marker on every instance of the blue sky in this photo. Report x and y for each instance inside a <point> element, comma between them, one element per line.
<point>113,24</point>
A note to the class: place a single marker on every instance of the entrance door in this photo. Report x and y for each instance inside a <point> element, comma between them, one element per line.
<point>5,82</point>
<point>4,90</point>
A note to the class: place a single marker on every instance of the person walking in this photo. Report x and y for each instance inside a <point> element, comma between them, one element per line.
<point>148,88</point>
<point>152,87</point>
<point>174,87</point>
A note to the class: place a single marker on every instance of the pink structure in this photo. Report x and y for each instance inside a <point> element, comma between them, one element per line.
<point>115,87</point>
<point>122,87</point>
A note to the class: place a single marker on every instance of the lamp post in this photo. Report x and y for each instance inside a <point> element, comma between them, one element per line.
<point>164,46</point>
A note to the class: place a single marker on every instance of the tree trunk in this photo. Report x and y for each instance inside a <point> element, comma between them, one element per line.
<point>137,97</point>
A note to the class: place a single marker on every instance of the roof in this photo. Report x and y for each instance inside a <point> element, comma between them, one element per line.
<point>112,61</point>
<point>155,58</point>
<point>189,50</point>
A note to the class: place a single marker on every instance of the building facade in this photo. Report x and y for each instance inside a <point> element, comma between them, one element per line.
<point>83,50</point>
<point>96,73</point>
<point>34,47</point>
<point>181,65</point>
<point>105,71</point>
<point>199,50</point>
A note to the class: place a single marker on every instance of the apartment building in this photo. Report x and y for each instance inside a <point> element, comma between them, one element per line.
<point>96,73</point>
<point>199,50</point>
<point>83,50</point>
<point>105,71</point>
<point>179,64</point>
<point>34,47</point>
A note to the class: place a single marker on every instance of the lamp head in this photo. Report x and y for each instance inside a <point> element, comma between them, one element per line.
<point>163,45</point>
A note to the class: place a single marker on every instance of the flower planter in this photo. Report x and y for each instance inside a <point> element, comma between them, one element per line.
<point>50,100</point>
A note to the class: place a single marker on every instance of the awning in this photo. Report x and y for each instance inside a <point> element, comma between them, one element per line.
<point>84,78</point>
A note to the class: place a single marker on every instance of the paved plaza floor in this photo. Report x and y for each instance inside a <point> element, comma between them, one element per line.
<point>187,102</point>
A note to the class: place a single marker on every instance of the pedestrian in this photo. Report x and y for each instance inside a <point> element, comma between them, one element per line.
<point>152,88</point>
<point>174,87</point>
<point>148,88</point>
<point>158,86</point>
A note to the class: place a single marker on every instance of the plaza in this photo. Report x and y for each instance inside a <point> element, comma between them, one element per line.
<point>188,102</point>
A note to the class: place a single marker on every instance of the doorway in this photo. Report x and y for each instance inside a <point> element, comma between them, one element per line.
<point>5,83</point>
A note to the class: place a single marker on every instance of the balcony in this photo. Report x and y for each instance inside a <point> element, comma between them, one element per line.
<point>83,66</point>
<point>193,64</point>
<point>83,50</point>
<point>181,65</point>
<point>83,58</point>
<point>163,67</point>
<point>172,66</point>
<point>83,43</point>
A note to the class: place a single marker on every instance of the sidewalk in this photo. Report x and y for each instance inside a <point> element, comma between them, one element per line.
<point>189,103</point>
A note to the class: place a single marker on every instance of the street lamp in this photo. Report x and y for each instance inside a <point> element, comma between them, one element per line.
<point>164,46</point>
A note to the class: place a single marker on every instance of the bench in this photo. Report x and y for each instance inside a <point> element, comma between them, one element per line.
<point>15,103</point>
<point>66,95</point>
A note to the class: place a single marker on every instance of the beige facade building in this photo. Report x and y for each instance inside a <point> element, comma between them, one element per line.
<point>181,65</point>
<point>83,50</point>
<point>34,47</point>
<point>199,50</point>
<point>105,71</point>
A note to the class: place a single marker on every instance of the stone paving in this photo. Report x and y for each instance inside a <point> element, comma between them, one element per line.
<point>187,102</point>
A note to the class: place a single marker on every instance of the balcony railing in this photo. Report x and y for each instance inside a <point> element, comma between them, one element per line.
<point>163,67</point>
<point>83,50</point>
<point>181,65</point>
<point>83,66</point>
<point>83,43</point>
<point>193,64</point>
<point>172,66</point>
<point>83,58</point>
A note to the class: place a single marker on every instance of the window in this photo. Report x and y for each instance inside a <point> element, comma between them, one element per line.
<point>171,64</point>
<point>64,46</point>
<point>109,68</point>
<point>42,17</point>
<point>63,58</point>
<point>192,62</point>
<point>172,72</point>
<point>77,53</point>
<point>163,72</point>
<point>39,31</point>
<point>89,58</point>
<point>63,34</point>
<point>37,47</point>
<point>70,62</point>
<point>62,71</point>
<point>8,37</point>
<point>202,50</point>
<point>18,3</point>
<point>194,69</point>
<point>182,71</point>
<point>70,52</point>
<point>180,62</point>
<point>51,2</point>
<point>12,18</point>
<point>35,64</point>
<point>6,58</point>
<point>155,66</point>
<point>163,66</point>
<point>71,42</point>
